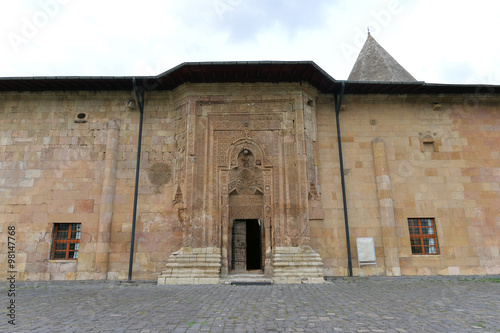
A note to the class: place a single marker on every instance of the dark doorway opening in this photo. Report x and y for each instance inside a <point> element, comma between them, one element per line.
<point>254,245</point>
<point>246,245</point>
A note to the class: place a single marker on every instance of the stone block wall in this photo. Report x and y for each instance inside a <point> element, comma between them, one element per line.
<point>454,180</point>
<point>52,171</point>
<point>442,163</point>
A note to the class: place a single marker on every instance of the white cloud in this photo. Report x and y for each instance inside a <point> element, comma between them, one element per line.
<point>436,41</point>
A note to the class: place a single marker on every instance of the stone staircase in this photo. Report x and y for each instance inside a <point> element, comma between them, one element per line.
<point>297,265</point>
<point>192,266</point>
<point>202,266</point>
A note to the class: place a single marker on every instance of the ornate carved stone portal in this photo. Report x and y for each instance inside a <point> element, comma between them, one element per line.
<point>244,237</point>
<point>246,192</point>
<point>250,185</point>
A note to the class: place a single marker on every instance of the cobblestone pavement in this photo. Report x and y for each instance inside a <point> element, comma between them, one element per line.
<point>408,304</point>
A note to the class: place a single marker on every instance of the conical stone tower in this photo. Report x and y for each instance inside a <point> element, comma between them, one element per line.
<point>374,63</point>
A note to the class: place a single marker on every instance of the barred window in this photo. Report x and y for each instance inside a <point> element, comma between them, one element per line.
<point>66,240</point>
<point>423,236</point>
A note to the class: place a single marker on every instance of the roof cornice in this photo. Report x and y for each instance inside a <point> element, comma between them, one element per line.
<point>193,72</point>
<point>234,72</point>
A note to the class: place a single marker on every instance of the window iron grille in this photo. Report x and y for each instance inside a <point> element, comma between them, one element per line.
<point>423,236</point>
<point>66,240</point>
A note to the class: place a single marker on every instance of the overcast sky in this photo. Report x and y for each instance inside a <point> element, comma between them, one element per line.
<point>439,41</point>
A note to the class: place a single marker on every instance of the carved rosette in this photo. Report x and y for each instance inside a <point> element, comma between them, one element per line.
<point>159,174</point>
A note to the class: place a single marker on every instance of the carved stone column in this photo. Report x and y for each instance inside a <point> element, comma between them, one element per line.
<point>386,207</point>
<point>107,196</point>
<point>268,213</point>
<point>224,223</point>
<point>268,265</point>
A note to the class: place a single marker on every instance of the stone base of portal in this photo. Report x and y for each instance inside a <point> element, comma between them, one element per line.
<point>192,266</point>
<point>297,265</point>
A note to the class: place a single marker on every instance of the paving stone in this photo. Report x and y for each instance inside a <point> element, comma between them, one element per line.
<point>343,305</point>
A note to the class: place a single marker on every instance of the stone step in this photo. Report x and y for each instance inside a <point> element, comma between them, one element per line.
<point>193,271</point>
<point>193,257</point>
<point>193,264</point>
<point>285,265</point>
<point>246,279</point>
<point>298,257</point>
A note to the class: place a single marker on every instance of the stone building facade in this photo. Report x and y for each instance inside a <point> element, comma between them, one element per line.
<point>240,172</point>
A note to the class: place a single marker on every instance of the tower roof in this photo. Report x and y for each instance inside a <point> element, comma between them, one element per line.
<point>376,64</point>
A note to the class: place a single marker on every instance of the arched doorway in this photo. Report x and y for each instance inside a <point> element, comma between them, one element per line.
<point>246,203</point>
<point>246,195</point>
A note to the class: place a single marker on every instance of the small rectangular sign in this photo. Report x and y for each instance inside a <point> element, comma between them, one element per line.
<point>366,249</point>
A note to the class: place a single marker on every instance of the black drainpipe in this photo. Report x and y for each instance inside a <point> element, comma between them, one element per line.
<point>338,104</point>
<point>140,103</point>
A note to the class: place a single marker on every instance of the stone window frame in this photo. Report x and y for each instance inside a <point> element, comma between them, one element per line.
<point>429,138</point>
<point>423,236</point>
<point>432,142</point>
<point>66,241</point>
